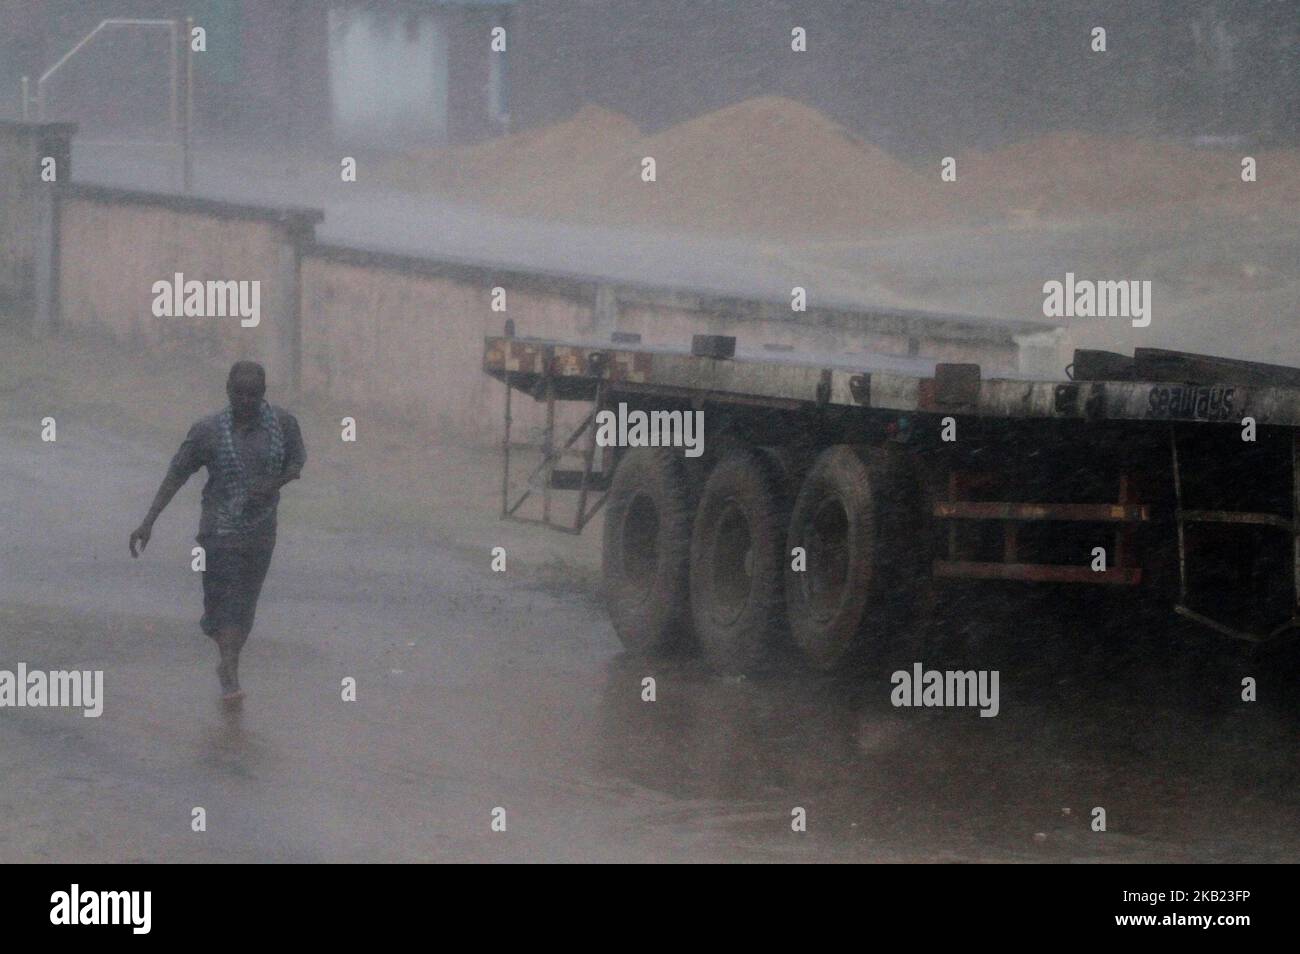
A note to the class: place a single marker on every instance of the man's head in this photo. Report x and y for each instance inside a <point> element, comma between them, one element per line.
<point>246,387</point>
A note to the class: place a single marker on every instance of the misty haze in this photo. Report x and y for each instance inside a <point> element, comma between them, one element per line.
<point>914,387</point>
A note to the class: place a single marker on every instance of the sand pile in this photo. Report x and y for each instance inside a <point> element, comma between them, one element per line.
<point>523,168</point>
<point>534,165</point>
<point>1277,188</point>
<point>765,166</point>
<point>769,165</point>
<point>772,166</point>
<point>1072,173</point>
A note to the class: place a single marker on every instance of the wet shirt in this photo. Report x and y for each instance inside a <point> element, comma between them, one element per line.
<point>253,445</point>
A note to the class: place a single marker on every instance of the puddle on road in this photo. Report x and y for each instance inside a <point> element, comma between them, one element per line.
<point>1180,777</point>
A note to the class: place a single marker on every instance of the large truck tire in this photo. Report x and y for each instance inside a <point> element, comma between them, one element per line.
<point>737,555</point>
<point>859,520</point>
<point>833,522</point>
<point>645,560</point>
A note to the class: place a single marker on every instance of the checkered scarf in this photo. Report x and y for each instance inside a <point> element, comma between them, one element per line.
<point>235,480</point>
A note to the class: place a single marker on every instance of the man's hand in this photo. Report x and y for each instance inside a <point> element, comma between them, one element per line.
<point>260,490</point>
<point>141,536</point>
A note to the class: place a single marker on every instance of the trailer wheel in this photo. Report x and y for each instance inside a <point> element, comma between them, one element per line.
<point>833,522</point>
<point>737,554</point>
<point>858,518</point>
<point>646,552</point>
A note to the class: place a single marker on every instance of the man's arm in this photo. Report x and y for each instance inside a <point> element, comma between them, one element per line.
<point>295,452</point>
<point>187,460</point>
<point>295,456</point>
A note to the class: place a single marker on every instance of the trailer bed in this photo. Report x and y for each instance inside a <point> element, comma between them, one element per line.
<point>1113,452</point>
<point>893,383</point>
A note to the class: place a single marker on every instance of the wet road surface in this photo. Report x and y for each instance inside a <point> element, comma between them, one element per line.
<point>479,690</point>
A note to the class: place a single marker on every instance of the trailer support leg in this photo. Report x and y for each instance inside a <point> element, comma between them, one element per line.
<point>588,459</point>
<point>1124,532</point>
<point>1295,516</point>
<point>548,447</point>
<point>505,453</point>
<point>1292,527</point>
<point>1178,509</point>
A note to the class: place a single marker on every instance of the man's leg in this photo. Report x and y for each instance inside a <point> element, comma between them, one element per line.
<point>218,583</point>
<point>230,640</point>
<point>237,640</point>
<point>232,604</point>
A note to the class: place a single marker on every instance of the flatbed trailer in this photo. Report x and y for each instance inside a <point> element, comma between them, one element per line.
<point>840,501</point>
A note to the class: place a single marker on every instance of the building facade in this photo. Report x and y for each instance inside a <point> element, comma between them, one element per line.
<point>296,72</point>
<point>918,77</point>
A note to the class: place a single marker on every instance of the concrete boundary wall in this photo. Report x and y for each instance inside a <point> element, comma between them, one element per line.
<point>29,208</point>
<point>406,334</point>
<point>107,287</point>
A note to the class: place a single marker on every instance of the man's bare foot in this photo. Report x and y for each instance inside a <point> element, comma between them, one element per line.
<point>229,682</point>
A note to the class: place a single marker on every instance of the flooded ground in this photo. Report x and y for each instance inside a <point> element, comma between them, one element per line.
<point>479,690</point>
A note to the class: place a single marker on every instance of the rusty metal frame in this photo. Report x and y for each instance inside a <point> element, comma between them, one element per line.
<point>1034,512</point>
<point>1295,512</point>
<point>1183,517</point>
<point>1011,514</point>
<point>1225,630</point>
<point>550,455</point>
<point>1036,572</point>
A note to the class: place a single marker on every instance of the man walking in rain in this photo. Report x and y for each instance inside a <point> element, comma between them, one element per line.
<point>251,450</point>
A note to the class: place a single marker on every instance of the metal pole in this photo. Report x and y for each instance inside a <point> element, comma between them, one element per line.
<point>45,77</point>
<point>1295,514</point>
<point>505,449</point>
<point>589,457</point>
<point>187,143</point>
<point>1178,516</point>
<point>548,442</point>
<point>175,73</point>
